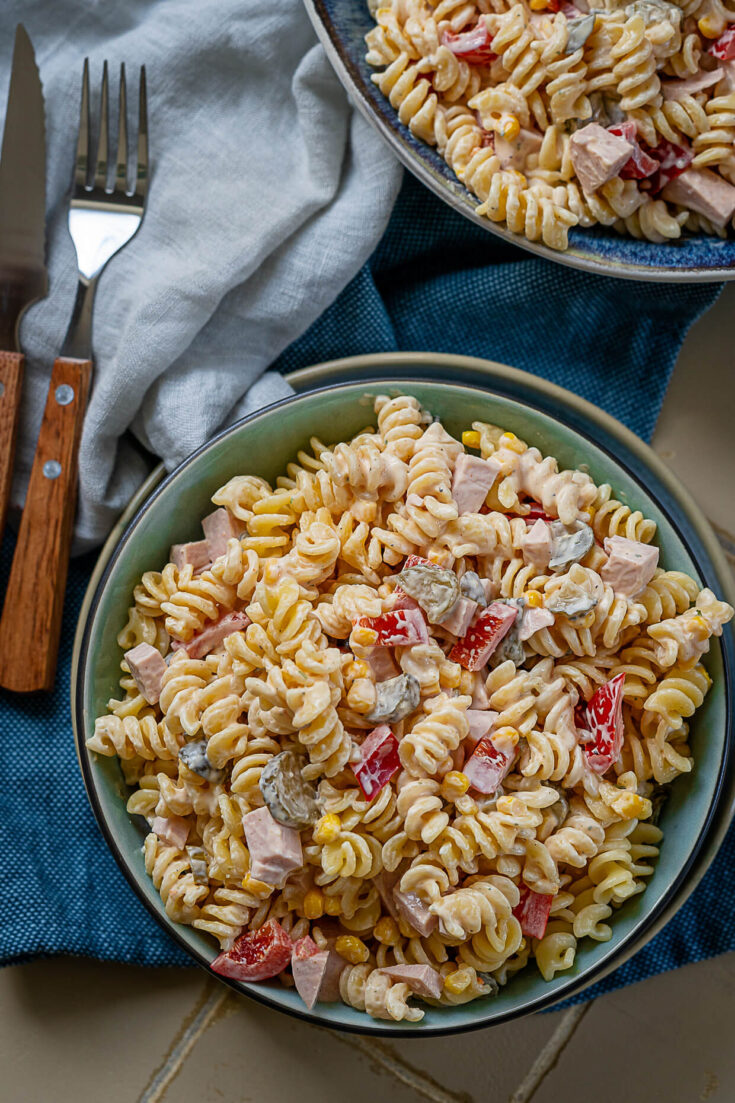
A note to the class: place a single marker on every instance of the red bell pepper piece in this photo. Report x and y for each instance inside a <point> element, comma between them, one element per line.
<point>532,912</point>
<point>379,761</point>
<point>672,161</point>
<point>399,627</point>
<point>473,46</point>
<point>724,47</point>
<point>641,164</point>
<point>490,626</point>
<point>256,955</point>
<point>603,720</point>
<point>487,766</point>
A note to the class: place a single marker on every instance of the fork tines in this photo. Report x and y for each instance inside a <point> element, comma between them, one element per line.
<point>92,172</point>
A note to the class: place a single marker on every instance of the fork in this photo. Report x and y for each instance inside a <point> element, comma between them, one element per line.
<point>103,216</point>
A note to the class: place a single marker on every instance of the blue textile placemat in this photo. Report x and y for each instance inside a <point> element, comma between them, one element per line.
<point>438,283</point>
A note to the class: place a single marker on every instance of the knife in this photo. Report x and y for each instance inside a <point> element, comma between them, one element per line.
<point>22,237</point>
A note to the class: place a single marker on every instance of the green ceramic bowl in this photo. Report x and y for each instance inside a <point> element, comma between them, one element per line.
<point>700,805</point>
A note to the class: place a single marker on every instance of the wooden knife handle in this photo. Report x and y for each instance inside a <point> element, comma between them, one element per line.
<point>11,379</point>
<point>31,618</point>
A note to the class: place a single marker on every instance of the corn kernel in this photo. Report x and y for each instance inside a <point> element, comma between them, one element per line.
<point>454,784</point>
<point>509,127</point>
<point>538,5</point>
<point>327,829</point>
<point>332,905</point>
<point>456,982</point>
<point>351,948</point>
<point>506,739</point>
<point>450,675</point>
<point>386,931</point>
<point>708,27</point>
<point>471,438</point>
<point>357,668</point>
<point>363,635</point>
<point>314,904</point>
<point>533,599</point>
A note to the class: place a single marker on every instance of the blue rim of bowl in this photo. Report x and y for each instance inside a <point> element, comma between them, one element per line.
<point>701,854</point>
<point>462,200</point>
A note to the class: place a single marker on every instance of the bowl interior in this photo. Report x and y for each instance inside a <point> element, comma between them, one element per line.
<point>263,444</point>
<point>342,25</point>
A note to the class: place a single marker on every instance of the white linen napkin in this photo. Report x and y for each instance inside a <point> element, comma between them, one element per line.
<point>268,192</point>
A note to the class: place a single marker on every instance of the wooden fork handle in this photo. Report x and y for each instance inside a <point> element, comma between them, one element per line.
<point>11,379</point>
<point>31,618</point>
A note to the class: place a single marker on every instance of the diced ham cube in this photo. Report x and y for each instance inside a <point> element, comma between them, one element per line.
<point>490,627</point>
<point>532,912</point>
<point>474,47</point>
<point>533,620</point>
<point>147,667</point>
<point>472,479</point>
<point>219,527</point>
<point>480,699</point>
<point>397,628</point>
<point>514,153</point>
<point>379,761</point>
<point>704,192</point>
<point>674,89</point>
<point>316,972</point>
<point>275,850</point>
<point>256,955</point>
<point>215,634</point>
<point>382,664</point>
<point>486,767</point>
<point>537,545</point>
<point>459,617</point>
<point>421,979</point>
<point>194,554</point>
<point>481,724</point>
<point>414,911</point>
<point>172,829</point>
<point>630,566</point>
<point>597,155</point>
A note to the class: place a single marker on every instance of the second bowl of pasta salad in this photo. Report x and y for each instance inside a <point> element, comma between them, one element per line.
<point>403,717</point>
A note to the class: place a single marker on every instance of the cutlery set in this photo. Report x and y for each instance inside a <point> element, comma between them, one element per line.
<point>106,208</point>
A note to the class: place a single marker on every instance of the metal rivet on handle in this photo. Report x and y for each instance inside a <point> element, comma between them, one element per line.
<point>64,394</point>
<point>52,469</point>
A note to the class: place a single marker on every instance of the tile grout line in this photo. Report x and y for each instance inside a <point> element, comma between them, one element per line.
<point>550,1053</point>
<point>400,1070</point>
<point>169,1070</point>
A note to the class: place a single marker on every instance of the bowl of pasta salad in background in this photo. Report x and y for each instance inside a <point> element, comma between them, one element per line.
<point>427,725</point>
<point>592,132</point>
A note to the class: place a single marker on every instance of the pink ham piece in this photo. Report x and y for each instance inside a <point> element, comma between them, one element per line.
<point>421,979</point>
<point>379,761</point>
<point>316,972</point>
<point>533,620</point>
<point>219,527</point>
<point>385,883</point>
<point>459,617</point>
<point>382,664</point>
<point>532,912</point>
<point>480,699</point>
<point>490,627</point>
<point>514,154</point>
<point>537,545</point>
<point>215,634</point>
<point>398,628</point>
<point>673,89</point>
<point>486,767</point>
<point>727,81</point>
<point>147,668</point>
<point>597,155</point>
<point>704,192</point>
<point>256,955</point>
<point>275,850</point>
<point>481,723</point>
<point>172,829</point>
<point>195,554</point>
<point>630,566</point>
<point>472,479</point>
<point>414,911</point>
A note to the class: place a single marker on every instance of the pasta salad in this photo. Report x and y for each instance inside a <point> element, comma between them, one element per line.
<point>401,725</point>
<point>558,114</point>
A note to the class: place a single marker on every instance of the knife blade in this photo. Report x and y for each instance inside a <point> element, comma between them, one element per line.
<point>23,277</point>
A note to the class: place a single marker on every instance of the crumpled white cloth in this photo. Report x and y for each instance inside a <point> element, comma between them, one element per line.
<point>268,193</point>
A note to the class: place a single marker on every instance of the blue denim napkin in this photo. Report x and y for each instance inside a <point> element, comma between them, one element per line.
<point>436,282</point>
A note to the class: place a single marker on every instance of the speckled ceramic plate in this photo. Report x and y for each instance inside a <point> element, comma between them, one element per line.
<point>339,394</point>
<point>341,26</point>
